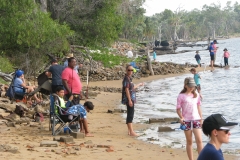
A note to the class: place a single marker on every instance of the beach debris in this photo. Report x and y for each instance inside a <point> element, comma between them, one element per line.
<point>49,143</point>
<point>66,139</point>
<point>117,110</point>
<point>109,111</point>
<point>8,148</point>
<point>88,142</point>
<point>77,135</point>
<point>165,129</point>
<point>110,149</point>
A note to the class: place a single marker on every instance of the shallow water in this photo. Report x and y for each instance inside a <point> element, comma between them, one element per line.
<point>220,90</point>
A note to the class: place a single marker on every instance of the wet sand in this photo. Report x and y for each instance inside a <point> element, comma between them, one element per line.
<point>107,128</point>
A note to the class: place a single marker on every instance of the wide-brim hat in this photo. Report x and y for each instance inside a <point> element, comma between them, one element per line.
<point>216,121</point>
<point>69,55</point>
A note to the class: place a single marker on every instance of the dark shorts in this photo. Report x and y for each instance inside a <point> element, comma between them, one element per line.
<point>130,113</point>
<point>193,124</point>
<point>76,99</point>
<point>198,87</point>
<point>212,57</point>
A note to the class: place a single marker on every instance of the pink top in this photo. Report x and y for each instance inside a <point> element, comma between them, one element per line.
<point>73,80</point>
<point>188,104</point>
<point>226,54</point>
<point>215,48</point>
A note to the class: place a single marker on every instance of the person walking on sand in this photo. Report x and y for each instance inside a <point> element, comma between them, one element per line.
<point>226,55</point>
<point>211,50</point>
<point>190,114</point>
<point>198,58</point>
<point>215,50</point>
<point>129,98</point>
<point>217,128</point>
<point>196,78</point>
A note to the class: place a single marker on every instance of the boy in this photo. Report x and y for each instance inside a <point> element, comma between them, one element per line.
<point>197,80</point>
<point>198,58</point>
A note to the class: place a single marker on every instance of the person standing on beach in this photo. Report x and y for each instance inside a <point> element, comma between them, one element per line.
<point>217,128</point>
<point>215,50</point>
<point>129,98</point>
<point>198,58</point>
<point>211,50</point>
<point>154,55</point>
<point>196,78</point>
<point>226,55</point>
<point>190,114</point>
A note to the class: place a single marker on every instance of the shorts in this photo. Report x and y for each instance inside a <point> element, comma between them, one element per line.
<point>212,57</point>
<point>198,87</point>
<point>192,124</point>
<point>198,61</point>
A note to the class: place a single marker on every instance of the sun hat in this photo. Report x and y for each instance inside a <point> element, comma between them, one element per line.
<point>19,73</point>
<point>216,121</point>
<point>189,81</point>
<point>69,55</point>
<point>225,49</point>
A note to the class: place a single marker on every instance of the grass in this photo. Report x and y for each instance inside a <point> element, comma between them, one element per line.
<point>5,65</point>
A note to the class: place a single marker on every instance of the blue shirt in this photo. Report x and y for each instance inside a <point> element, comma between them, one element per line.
<point>197,56</point>
<point>78,110</point>
<point>17,85</point>
<point>196,78</point>
<point>211,49</point>
<point>209,152</point>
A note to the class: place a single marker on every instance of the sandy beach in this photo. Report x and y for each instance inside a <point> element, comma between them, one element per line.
<point>108,129</point>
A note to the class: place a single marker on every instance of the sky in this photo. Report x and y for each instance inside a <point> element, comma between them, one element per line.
<point>157,6</point>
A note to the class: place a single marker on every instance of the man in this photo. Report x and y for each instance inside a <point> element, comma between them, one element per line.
<point>56,72</point>
<point>211,50</point>
<point>65,64</point>
<point>71,82</point>
<point>215,50</point>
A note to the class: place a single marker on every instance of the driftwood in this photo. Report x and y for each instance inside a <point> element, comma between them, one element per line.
<point>7,77</point>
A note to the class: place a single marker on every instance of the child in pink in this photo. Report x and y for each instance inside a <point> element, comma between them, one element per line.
<point>190,114</point>
<point>226,55</point>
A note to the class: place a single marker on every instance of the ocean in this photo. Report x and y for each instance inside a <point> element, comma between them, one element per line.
<point>220,91</point>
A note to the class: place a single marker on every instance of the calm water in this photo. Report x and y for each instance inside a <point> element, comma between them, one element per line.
<point>220,90</point>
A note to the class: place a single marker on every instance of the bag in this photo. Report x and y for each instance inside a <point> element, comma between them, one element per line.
<point>19,110</point>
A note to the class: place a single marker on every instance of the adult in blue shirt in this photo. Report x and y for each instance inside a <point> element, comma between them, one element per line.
<point>20,86</point>
<point>217,128</point>
<point>211,50</point>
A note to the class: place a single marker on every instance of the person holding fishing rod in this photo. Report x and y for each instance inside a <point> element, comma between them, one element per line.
<point>129,97</point>
<point>71,82</point>
<point>190,114</point>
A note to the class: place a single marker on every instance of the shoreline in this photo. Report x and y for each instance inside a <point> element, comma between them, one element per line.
<point>107,128</point>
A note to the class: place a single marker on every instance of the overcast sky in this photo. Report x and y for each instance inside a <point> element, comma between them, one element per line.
<point>157,6</point>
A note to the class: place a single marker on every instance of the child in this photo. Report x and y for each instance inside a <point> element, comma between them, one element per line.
<point>226,55</point>
<point>189,111</point>
<point>154,55</point>
<point>76,110</point>
<point>197,80</point>
<point>198,58</point>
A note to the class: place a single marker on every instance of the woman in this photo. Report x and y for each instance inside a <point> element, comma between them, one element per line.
<point>226,55</point>
<point>190,114</point>
<point>129,98</point>
<point>217,128</point>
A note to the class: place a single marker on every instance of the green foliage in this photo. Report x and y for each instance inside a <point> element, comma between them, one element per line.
<point>5,65</point>
<point>110,60</point>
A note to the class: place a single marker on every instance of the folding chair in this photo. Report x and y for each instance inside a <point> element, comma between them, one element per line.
<point>58,121</point>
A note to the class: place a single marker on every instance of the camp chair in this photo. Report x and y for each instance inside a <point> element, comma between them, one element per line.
<point>62,119</point>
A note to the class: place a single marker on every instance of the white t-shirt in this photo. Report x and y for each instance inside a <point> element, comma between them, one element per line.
<point>129,54</point>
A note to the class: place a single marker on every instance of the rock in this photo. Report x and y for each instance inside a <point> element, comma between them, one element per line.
<point>165,129</point>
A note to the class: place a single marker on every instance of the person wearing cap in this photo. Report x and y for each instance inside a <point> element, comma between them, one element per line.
<point>215,50</point>
<point>226,55</point>
<point>217,128</point>
<point>20,86</point>
<point>71,82</point>
<point>198,58</point>
<point>55,71</point>
<point>65,64</point>
<point>211,50</point>
<point>190,114</point>
<point>196,78</point>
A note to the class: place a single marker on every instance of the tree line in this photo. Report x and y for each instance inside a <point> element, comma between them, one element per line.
<point>31,28</point>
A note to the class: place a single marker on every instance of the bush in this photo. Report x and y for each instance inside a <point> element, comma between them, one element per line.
<point>5,65</point>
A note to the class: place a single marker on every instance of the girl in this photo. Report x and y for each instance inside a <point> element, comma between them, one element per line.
<point>226,55</point>
<point>190,114</point>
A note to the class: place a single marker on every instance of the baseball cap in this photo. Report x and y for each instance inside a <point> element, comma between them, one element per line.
<point>19,73</point>
<point>216,121</point>
<point>189,81</point>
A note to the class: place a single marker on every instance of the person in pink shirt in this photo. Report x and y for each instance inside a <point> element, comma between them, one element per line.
<point>190,114</point>
<point>226,55</point>
<point>215,50</point>
<point>71,82</point>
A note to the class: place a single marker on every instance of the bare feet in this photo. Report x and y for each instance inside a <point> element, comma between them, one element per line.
<point>133,134</point>
<point>88,135</point>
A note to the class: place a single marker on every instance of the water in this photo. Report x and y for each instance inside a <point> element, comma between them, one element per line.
<point>220,90</point>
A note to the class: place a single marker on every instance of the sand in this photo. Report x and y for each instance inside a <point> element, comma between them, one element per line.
<point>108,129</point>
